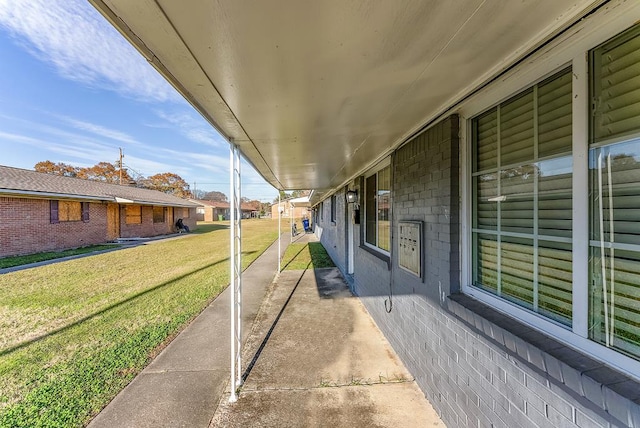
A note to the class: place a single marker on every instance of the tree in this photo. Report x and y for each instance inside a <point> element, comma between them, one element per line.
<point>283,195</point>
<point>168,182</point>
<point>103,171</point>
<point>106,172</point>
<point>265,207</point>
<point>295,194</point>
<point>215,196</point>
<point>59,168</point>
<point>300,193</point>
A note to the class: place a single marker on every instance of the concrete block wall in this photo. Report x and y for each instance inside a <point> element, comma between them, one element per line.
<point>334,232</point>
<point>478,368</point>
<point>25,227</point>
<point>425,189</point>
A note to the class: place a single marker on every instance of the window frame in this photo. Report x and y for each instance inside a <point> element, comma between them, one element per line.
<point>514,174</point>
<point>159,214</point>
<point>333,209</point>
<point>518,80</point>
<point>56,211</point>
<point>386,163</point>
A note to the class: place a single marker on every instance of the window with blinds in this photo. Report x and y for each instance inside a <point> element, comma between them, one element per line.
<point>614,163</point>
<point>522,201</point>
<point>377,207</point>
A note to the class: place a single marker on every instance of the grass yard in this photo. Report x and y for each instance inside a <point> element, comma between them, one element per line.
<point>7,262</point>
<point>74,333</point>
<point>310,255</point>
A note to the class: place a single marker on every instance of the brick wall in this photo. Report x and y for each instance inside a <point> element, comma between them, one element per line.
<point>25,227</point>
<point>478,368</point>
<point>148,228</point>
<point>333,233</point>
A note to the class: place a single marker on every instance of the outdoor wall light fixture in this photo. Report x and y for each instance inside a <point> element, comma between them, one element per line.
<point>352,196</point>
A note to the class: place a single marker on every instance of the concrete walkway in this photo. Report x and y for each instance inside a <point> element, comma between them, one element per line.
<point>312,358</point>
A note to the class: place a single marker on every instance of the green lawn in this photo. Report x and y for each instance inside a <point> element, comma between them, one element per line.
<point>74,333</point>
<point>7,262</point>
<point>303,256</point>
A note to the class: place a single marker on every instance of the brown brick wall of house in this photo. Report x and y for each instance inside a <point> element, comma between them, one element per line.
<point>25,227</point>
<point>148,228</point>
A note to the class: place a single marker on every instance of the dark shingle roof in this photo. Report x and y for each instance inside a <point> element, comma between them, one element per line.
<point>22,182</point>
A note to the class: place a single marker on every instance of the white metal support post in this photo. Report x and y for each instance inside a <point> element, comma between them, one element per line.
<point>235,256</point>
<point>279,232</point>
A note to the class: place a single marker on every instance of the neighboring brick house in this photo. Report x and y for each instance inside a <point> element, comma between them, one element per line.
<point>295,208</point>
<point>44,212</point>
<point>216,210</point>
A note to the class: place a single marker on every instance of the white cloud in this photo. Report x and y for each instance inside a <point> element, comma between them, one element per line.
<point>100,131</point>
<point>82,46</point>
<point>70,145</point>
<point>194,128</point>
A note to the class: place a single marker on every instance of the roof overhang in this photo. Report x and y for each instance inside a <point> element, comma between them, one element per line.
<point>315,93</point>
<point>125,201</point>
<point>47,195</point>
<point>300,202</point>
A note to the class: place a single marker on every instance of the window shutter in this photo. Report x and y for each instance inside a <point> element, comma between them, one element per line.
<point>555,280</point>
<point>516,276</point>
<point>486,262</point>
<point>486,135</point>
<point>522,182</point>
<point>616,88</point>
<point>554,115</point>
<point>516,130</point>
<point>53,211</point>
<point>85,212</point>
<point>486,158</point>
<point>615,193</point>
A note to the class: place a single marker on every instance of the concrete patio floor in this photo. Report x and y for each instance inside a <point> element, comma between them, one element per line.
<point>313,357</point>
<point>324,363</point>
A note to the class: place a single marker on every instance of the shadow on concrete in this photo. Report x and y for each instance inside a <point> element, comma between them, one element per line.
<point>321,361</point>
<point>253,361</point>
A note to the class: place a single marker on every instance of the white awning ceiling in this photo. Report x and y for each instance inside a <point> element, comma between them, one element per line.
<point>315,92</point>
<point>300,202</point>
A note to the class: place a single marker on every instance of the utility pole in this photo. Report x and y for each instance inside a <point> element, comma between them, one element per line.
<point>120,164</point>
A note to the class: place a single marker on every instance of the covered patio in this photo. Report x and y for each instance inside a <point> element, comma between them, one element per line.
<point>457,152</point>
<point>314,357</point>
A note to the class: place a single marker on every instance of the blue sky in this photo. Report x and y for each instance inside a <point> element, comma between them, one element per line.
<point>73,90</point>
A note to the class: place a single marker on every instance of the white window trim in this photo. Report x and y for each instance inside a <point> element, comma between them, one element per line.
<point>374,170</point>
<point>572,49</point>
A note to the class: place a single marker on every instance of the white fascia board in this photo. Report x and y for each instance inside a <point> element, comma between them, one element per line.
<point>31,194</point>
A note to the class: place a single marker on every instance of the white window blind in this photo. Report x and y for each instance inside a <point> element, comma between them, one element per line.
<point>614,157</point>
<point>522,172</point>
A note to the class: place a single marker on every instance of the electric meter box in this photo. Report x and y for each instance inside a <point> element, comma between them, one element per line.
<point>410,247</point>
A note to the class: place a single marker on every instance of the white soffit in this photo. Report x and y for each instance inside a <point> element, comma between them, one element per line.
<point>314,92</point>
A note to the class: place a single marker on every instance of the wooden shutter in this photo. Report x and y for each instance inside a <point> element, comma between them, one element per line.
<point>53,211</point>
<point>85,212</point>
